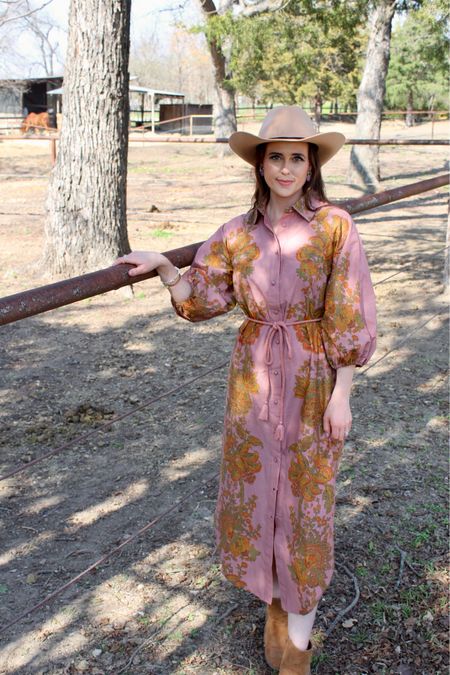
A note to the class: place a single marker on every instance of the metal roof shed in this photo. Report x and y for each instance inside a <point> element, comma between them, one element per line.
<point>155,96</point>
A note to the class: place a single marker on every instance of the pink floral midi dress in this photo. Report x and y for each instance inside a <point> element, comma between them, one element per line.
<point>307,296</point>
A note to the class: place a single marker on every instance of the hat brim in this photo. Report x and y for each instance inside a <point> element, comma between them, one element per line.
<point>245,144</point>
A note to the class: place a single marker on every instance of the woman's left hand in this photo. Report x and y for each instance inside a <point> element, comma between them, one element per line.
<point>337,420</point>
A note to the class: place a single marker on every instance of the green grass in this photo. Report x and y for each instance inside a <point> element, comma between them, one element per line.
<point>318,659</point>
<point>144,620</point>
<point>360,637</point>
<point>161,234</point>
<point>415,594</point>
<point>424,535</point>
<point>384,613</point>
<point>435,508</point>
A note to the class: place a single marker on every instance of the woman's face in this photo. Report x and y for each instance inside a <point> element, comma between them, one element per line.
<point>285,167</point>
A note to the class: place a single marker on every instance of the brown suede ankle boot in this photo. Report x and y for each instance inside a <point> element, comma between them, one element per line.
<point>275,633</point>
<point>295,661</point>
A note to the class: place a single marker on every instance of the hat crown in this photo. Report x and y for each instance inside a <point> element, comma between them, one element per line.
<point>288,121</point>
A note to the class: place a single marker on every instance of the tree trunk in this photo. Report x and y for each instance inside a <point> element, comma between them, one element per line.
<point>224,111</point>
<point>86,226</point>
<point>317,111</point>
<point>224,94</point>
<point>364,159</point>
<point>409,110</point>
<point>446,277</point>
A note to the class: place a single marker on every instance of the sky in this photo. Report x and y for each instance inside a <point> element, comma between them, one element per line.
<point>147,17</point>
<point>144,14</point>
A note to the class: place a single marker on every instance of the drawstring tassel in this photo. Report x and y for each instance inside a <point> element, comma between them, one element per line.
<point>279,432</point>
<point>264,414</point>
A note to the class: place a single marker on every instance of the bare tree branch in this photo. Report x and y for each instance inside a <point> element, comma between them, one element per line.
<point>16,17</point>
<point>252,7</point>
<point>242,7</point>
<point>41,28</point>
<point>176,8</point>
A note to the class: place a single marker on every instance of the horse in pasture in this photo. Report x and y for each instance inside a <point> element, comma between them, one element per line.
<point>36,121</point>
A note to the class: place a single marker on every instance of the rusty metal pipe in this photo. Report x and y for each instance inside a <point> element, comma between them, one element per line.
<point>44,298</point>
<point>369,202</point>
<point>396,141</point>
<point>206,139</point>
<point>349,141</point>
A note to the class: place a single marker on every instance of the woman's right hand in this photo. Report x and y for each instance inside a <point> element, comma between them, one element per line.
<point>145,262</point>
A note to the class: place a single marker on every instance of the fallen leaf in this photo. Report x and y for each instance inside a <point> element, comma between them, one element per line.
<point>349,623</point>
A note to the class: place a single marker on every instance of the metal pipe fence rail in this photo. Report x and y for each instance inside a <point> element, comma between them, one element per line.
<point>349,141</point>
<point>358,205</point>
<point>44,298</point>
<point>264,109</point>
<point>209,140</point>
<point>149,126</point>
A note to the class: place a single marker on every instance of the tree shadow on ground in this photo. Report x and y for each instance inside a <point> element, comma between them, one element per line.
<point>423,174</point>
<point>163,595</point>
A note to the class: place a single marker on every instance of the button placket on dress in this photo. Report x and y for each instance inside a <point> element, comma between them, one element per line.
<point>275,274</point>
<point>275,381</point>
<point>278,333</point>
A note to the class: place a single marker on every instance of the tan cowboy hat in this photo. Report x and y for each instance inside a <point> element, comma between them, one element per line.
<point>286,123</point>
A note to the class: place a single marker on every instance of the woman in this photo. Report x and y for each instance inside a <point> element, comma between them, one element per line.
<point>296,266</point>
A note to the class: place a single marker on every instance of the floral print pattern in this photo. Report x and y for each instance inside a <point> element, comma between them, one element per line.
<point>277,497</point>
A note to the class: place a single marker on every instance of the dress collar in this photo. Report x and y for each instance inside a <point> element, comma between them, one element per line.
<point>299,207</point>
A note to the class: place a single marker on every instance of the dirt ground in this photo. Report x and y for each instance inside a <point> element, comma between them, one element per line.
<point>161,605</point>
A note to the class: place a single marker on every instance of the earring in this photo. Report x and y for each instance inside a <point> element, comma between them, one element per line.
<point>261,171</point>
<point>308,175</point>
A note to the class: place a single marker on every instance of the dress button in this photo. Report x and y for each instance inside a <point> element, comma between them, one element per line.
<point>275,372</point>
<point>275,402</point>
<point>273,283</point>
<point>275,459</point>
<point>277,341</point>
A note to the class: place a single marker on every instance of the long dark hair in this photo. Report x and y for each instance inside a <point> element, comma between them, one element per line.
<point>314,186</point>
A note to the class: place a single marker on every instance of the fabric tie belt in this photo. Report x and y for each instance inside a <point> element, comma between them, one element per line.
<point>280,329</point>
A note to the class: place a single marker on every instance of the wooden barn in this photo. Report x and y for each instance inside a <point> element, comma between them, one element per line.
<point>18,97</point>
<point>154,109</point>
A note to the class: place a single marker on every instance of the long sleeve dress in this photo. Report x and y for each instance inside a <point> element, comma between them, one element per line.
<point>276,497</point>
